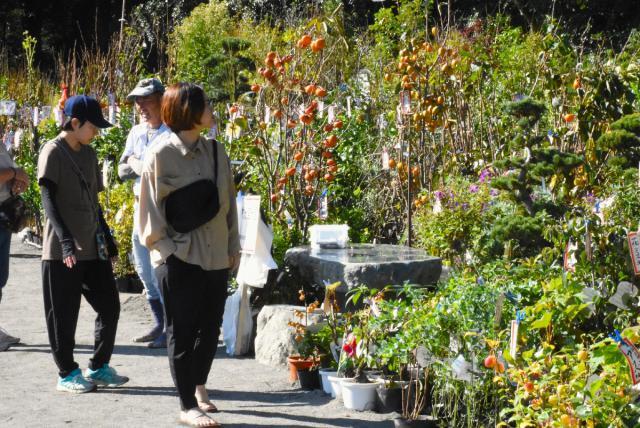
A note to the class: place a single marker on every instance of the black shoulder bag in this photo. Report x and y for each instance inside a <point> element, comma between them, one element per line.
<point>195,204</point>
<point>101,233</point>
<point>13,213</point>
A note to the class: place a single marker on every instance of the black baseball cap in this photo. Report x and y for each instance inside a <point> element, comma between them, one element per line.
<point>84,108</point>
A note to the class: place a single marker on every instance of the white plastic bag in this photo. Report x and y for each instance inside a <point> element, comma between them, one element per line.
<point>237,324</point>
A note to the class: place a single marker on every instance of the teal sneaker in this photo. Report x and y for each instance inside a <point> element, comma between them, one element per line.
<point>105,376</point>
<point>75,383</point>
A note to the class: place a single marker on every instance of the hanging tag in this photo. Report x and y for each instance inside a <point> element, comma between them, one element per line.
<point>320,108</point>
<point>570,257</point>
<point>349,106</point>
<point>385,160</point>
<point>331,114</point>
<point>7,108</point>
<point>631,353</point>
<point>405,102</point>
<point>323,206</point>
<point>634,251</point>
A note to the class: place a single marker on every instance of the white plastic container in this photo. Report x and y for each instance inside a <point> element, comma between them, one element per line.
<point>326,385</point>
<point>336,386</point>
<point>358,396</point>
<point>328,235</point>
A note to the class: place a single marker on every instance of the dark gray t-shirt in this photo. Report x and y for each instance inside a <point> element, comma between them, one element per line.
<point>74,205</point>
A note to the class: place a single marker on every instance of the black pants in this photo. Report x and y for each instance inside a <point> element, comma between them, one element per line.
<point>63,288</point>
<point>194,304</point>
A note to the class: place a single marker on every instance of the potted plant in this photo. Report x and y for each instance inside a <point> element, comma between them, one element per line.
<point>307,356</point>
<point>359,393</point>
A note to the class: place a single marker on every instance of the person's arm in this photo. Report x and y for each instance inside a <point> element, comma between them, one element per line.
<point>48,191</point>
<point>152,223</point>
<point>112,248</point>
<point>125,171</point>
<point>13,173</point>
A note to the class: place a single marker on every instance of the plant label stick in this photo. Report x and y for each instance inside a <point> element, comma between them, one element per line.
<point>320,108</point>
<point>112,107</point>
<point>631,353</point>
<point>405,102</point>
<point>348,106</point>
<point>499,306</point>
<point>570,257</point>
<point>331,113</point>
<point>36,116</point>
<point>323,206</point>
<point>634,250</point>
<point>513,342</point>
<point>385,159</point>
<point>267,115</point>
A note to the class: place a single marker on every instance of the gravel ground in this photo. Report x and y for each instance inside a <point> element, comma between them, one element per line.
<point>247,393</point>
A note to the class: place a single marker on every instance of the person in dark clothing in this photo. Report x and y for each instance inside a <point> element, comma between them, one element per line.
<point>76,248</point>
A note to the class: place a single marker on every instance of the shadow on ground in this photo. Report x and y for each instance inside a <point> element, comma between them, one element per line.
<point>339,422</point>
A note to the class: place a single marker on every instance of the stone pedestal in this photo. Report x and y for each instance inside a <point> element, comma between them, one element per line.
<point>373,265</point>
<point>274,337</point>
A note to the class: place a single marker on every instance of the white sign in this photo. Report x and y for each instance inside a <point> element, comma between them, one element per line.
<point>249,224</point>
<point>7,108</point>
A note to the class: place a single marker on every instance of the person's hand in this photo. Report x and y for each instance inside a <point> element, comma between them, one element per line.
<point>234,262</point>
<point>21,176</point>
<point>18,187</point>
<point>69,261</point>
<point>132,160</point>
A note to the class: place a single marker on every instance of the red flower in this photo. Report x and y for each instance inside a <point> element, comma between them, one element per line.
<point>350,347</point>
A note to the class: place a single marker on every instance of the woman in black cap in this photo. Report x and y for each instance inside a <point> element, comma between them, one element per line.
<point>77,248</point>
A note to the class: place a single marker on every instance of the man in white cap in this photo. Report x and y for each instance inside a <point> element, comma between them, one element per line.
<point>147,96</point>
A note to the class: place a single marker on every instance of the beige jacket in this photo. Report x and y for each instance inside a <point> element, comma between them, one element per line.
<point>170,165</point>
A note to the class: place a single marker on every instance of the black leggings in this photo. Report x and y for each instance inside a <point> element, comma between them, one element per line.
<point>62,289</point>
<point>194,304</point>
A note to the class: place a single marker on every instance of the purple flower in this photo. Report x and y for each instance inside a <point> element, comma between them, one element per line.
<point>493,192</point>
<point>438,194</point>
<point>590,198</point>
<point>485,175</point>
<point>473,188</point>
<point>465,206</point>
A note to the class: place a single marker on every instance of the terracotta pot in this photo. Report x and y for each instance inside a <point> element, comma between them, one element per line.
<point>296,362</point>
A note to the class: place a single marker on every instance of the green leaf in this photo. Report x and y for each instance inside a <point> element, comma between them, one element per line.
<point>543,322</point>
